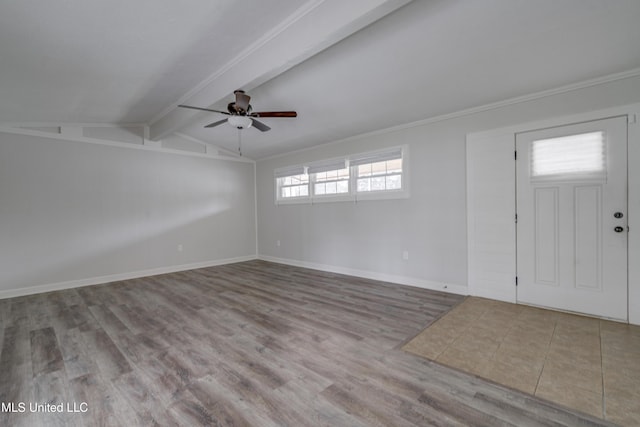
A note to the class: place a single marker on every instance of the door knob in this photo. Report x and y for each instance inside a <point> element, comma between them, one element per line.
<point>618,229</point>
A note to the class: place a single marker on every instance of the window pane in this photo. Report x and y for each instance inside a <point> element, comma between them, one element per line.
<point>377,183</point>
<point>343,186</point>
<point>364,170</point>
<point>394,166</point>
<point>331,187</point>
<point>364,184</point>
<point>394,182</point>
<point>320,189</point>
<point>304,190</point>
<point>379,168</point>
<point>569,155</point>
<point>332,175</point>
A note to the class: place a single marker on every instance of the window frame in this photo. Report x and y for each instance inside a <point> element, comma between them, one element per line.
<point>352,194</point>
<point>287,173</point>
<point>399,193</point>
<point>329,165</point>
<point>334,197</point>
<point>301,184</point>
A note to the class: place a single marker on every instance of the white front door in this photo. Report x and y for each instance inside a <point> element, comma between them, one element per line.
<point>572,217</point>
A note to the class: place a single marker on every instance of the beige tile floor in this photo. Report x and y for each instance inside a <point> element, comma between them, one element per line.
<point>584,363</point>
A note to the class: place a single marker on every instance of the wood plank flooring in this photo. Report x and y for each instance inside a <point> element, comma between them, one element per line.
<point>247,344</point>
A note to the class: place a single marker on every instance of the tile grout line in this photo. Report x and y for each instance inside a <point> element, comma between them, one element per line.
<point>513,322</point>
<point>546,354</point>
<point>458,336</point>
<point>604,400</point>
<point>430,324</point>
<point>493,355</point>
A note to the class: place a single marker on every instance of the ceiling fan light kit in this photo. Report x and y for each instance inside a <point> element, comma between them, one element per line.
<point>240,122</point>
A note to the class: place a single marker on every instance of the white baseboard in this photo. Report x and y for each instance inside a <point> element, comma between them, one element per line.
<point>373,275</point>
<point>11,293</point>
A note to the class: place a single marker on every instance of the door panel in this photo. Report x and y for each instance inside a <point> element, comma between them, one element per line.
<point>571,180</point>
<point>546,235</point>
<point>588,245</point>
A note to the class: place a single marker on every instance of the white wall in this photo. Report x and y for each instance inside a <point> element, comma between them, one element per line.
<point>73,213</point>
<point>368,238</point>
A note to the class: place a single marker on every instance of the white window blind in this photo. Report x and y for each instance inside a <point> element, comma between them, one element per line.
<point>326,165</point>
<point>569,157</point>
<point>289,171</point>
<point>379,156</point>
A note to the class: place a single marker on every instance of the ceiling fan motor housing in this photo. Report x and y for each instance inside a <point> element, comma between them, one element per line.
<point>235,110</point>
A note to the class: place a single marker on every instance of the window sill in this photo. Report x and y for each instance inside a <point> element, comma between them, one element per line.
<point>360,197</point>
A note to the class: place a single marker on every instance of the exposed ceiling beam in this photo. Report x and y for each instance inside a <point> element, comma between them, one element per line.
<point>317,25</point>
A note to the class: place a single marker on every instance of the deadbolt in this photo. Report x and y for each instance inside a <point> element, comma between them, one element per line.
<point>618,215</point>
<point>618,229</point>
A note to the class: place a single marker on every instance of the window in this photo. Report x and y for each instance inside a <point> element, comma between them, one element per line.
<point>569,157</point>
<point>292,183</point>
<point>331,182</point>
<point>380,176</point>
<point>295,186</point>
<point>375,175</point>
<point>381,171</point>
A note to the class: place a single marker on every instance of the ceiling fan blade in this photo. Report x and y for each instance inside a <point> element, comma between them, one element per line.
<point>203,109</point>
<point>260,126</point>
<point>242,100</point>
<point>275,114</point>
<point>214,124</point>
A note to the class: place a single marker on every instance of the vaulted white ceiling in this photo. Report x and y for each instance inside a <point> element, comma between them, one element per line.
<point>345,67</point>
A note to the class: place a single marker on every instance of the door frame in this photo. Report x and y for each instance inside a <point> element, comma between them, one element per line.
<point>494,276</point>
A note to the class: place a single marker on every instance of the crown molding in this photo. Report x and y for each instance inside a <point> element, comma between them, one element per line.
<point>474,110</point>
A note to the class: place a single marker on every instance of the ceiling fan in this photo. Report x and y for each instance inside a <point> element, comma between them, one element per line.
<point>241,114</point>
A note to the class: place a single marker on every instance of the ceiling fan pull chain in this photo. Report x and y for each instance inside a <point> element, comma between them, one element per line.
<point>239,142</point>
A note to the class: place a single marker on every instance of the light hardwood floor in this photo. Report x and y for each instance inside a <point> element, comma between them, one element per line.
<point>248,344</point>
